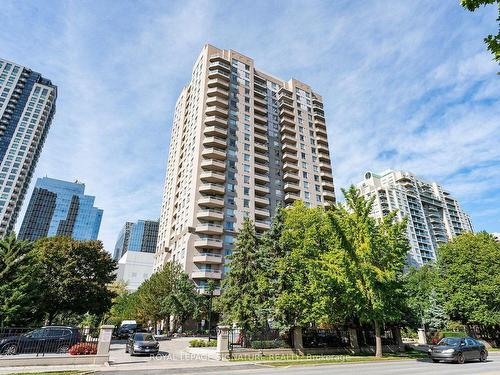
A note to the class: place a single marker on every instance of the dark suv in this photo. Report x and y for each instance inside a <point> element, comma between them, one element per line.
<point>127,330</point>
<point>49,339</point>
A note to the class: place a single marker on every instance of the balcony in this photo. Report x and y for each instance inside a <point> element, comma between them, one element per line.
<point>208,243</point>
<point>325,167</point>
<point>218,57</point>
<point>216,111</point>
<point>260,119</point>
<point>291,187</point>
<point>208,214</point>
<point>286,104</point>
<point>208,258</point>
<point>285,121</point>
<point>216,121</point>
<point>324,157</point>
<point>327,185</point>
<point>261,189</point>
<point>262,178</point>
<point>212,189</point>
<point>290,157</point>
<point>261,146</point>
<point>215,142</point>
<point>261,201</point>
<point>288,139</point>
<point>321,132</point>
<point>291,177</point>
<point>217,102</point>
<point>284,92</point>
<point>323,148</point>
<point>290,167</point>
<point>221,65</point>
<point>211,202</point>
<point>219,82</point>
<point>218,74</point>
<point>329,195</point>
<point>260,101</point>
<point>213,165</point>
<point>209,228</point>
<point>261,167</point>
<point>261,157</point>
<point>260,128</point>
<point>261,111</point>
<point>326,176</point>
<point>285,112</point>
<point>262,213</point>
<point>287,147</point>
<point>214,153</point>
<point>322,140</point>
<point>218,92</point>
<point>260,137</point>
<point>215,177</point>
<point>206,275</point>
<point>215,131</point>
<point>291,197</point>
<point>262,224</point>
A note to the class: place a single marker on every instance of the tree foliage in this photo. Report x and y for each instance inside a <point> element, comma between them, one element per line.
<point>469,276</point>
<point>72,277</point>
<point>17,294</point>
<point>492,41</point>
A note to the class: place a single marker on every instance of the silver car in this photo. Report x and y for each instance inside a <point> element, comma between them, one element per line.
<point>142,343</point>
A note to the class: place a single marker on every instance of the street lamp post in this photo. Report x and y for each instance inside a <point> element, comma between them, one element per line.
<point>211,288</point>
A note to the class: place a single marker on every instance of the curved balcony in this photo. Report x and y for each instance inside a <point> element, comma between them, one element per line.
<point>216,121</point>
<point>261,201</point>
<point>217,102</point>
<point>215,131</point>
<point>213,165</point>
<point>291,177</point>
<point>261,178</point>
<point>208,258</point>
<point>219,82</point>
<point>208,243</point>
<point>291,197</point>
<point>211,202</point>
<point>214,153</point>
<point>212,189</point>
<point>216,111</point>
<point>206,275</point>
<point>291,187</point>
<point>218,92</point>
<point>208,214</point>
<point>209,228</point>
<point>214,177</point>
<point>215,142</point>
<point>290,166</point>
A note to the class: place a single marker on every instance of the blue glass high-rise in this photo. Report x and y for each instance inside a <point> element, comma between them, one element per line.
<point>61,208</point>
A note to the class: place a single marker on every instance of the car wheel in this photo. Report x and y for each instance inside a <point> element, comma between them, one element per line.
<point>460,358</point>
<point>63,349</point>
<point>10,349</point>
<point>435,360</point>
<point>483,356</point>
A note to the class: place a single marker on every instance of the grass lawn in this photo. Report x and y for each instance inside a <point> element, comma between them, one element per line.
<point>287,360</point>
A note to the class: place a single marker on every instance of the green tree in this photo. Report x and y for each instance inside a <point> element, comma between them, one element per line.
<point>241,301</point>
<point>370,261</point>
<point>470,279</point>
<point>182,300</point>
<point>306,292</point>
<point>72,277</point>
<point>492,41</point>
<point>419,284</point>
<point>17,292</point>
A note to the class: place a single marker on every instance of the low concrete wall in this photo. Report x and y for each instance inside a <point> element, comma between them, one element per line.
<point>13,361</point>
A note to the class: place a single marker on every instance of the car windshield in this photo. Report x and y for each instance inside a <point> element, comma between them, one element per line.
<point>144,337</point>
<point>450,341</point>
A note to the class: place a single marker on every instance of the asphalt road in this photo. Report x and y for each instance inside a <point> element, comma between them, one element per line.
<point>408,367</point>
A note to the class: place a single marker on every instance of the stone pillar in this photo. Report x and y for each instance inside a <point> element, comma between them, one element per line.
<point>223,343</point>
<point>353,338</point>
<point>422,338</point>
<point>396,334</point>
<point>297,340</point>
<point>105,339</point>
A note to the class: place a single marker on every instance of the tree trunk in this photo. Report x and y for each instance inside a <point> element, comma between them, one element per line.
<point>378,340</point>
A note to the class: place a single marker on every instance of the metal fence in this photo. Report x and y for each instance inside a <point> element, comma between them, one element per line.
<point>325,338</point>
<point>262,339</point>
<point>366,337</point>
<point>54,340</point>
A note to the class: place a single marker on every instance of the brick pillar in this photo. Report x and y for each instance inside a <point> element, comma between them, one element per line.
<point>223,343</point>
<point>105,339</point>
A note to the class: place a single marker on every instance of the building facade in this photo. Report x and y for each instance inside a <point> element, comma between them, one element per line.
<point>27,107</point>
<point>135,252</point>
<point>242,141</point>
<point>138,237</point>
<point>60,208</point>
<point>434,216</point>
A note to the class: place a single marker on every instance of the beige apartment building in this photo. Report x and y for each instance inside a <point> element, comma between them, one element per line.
<point>242,141</point>
<point>434,216</point>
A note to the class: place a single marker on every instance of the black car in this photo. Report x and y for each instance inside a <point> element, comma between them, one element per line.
<point>127,330</point>
<point>49,339</point>
<point>142,343</point>
<point>458,349</point>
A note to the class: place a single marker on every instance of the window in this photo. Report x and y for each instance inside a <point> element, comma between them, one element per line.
<point>304,174</point>
<point>246,203</point>
<point>246,168</point>
<point>246,191</point>
<point>246,179</point>
<point>307,195</point>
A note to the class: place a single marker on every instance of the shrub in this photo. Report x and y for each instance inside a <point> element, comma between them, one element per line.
<point>198,343</point>
<point>267,344</point>
<point>83,348</point>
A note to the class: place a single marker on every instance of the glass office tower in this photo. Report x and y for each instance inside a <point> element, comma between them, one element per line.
<point>60,208</point>
<point>139,237</point>
<point>27,107</point>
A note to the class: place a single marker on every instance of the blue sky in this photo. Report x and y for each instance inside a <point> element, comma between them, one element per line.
<point>406,84</point>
